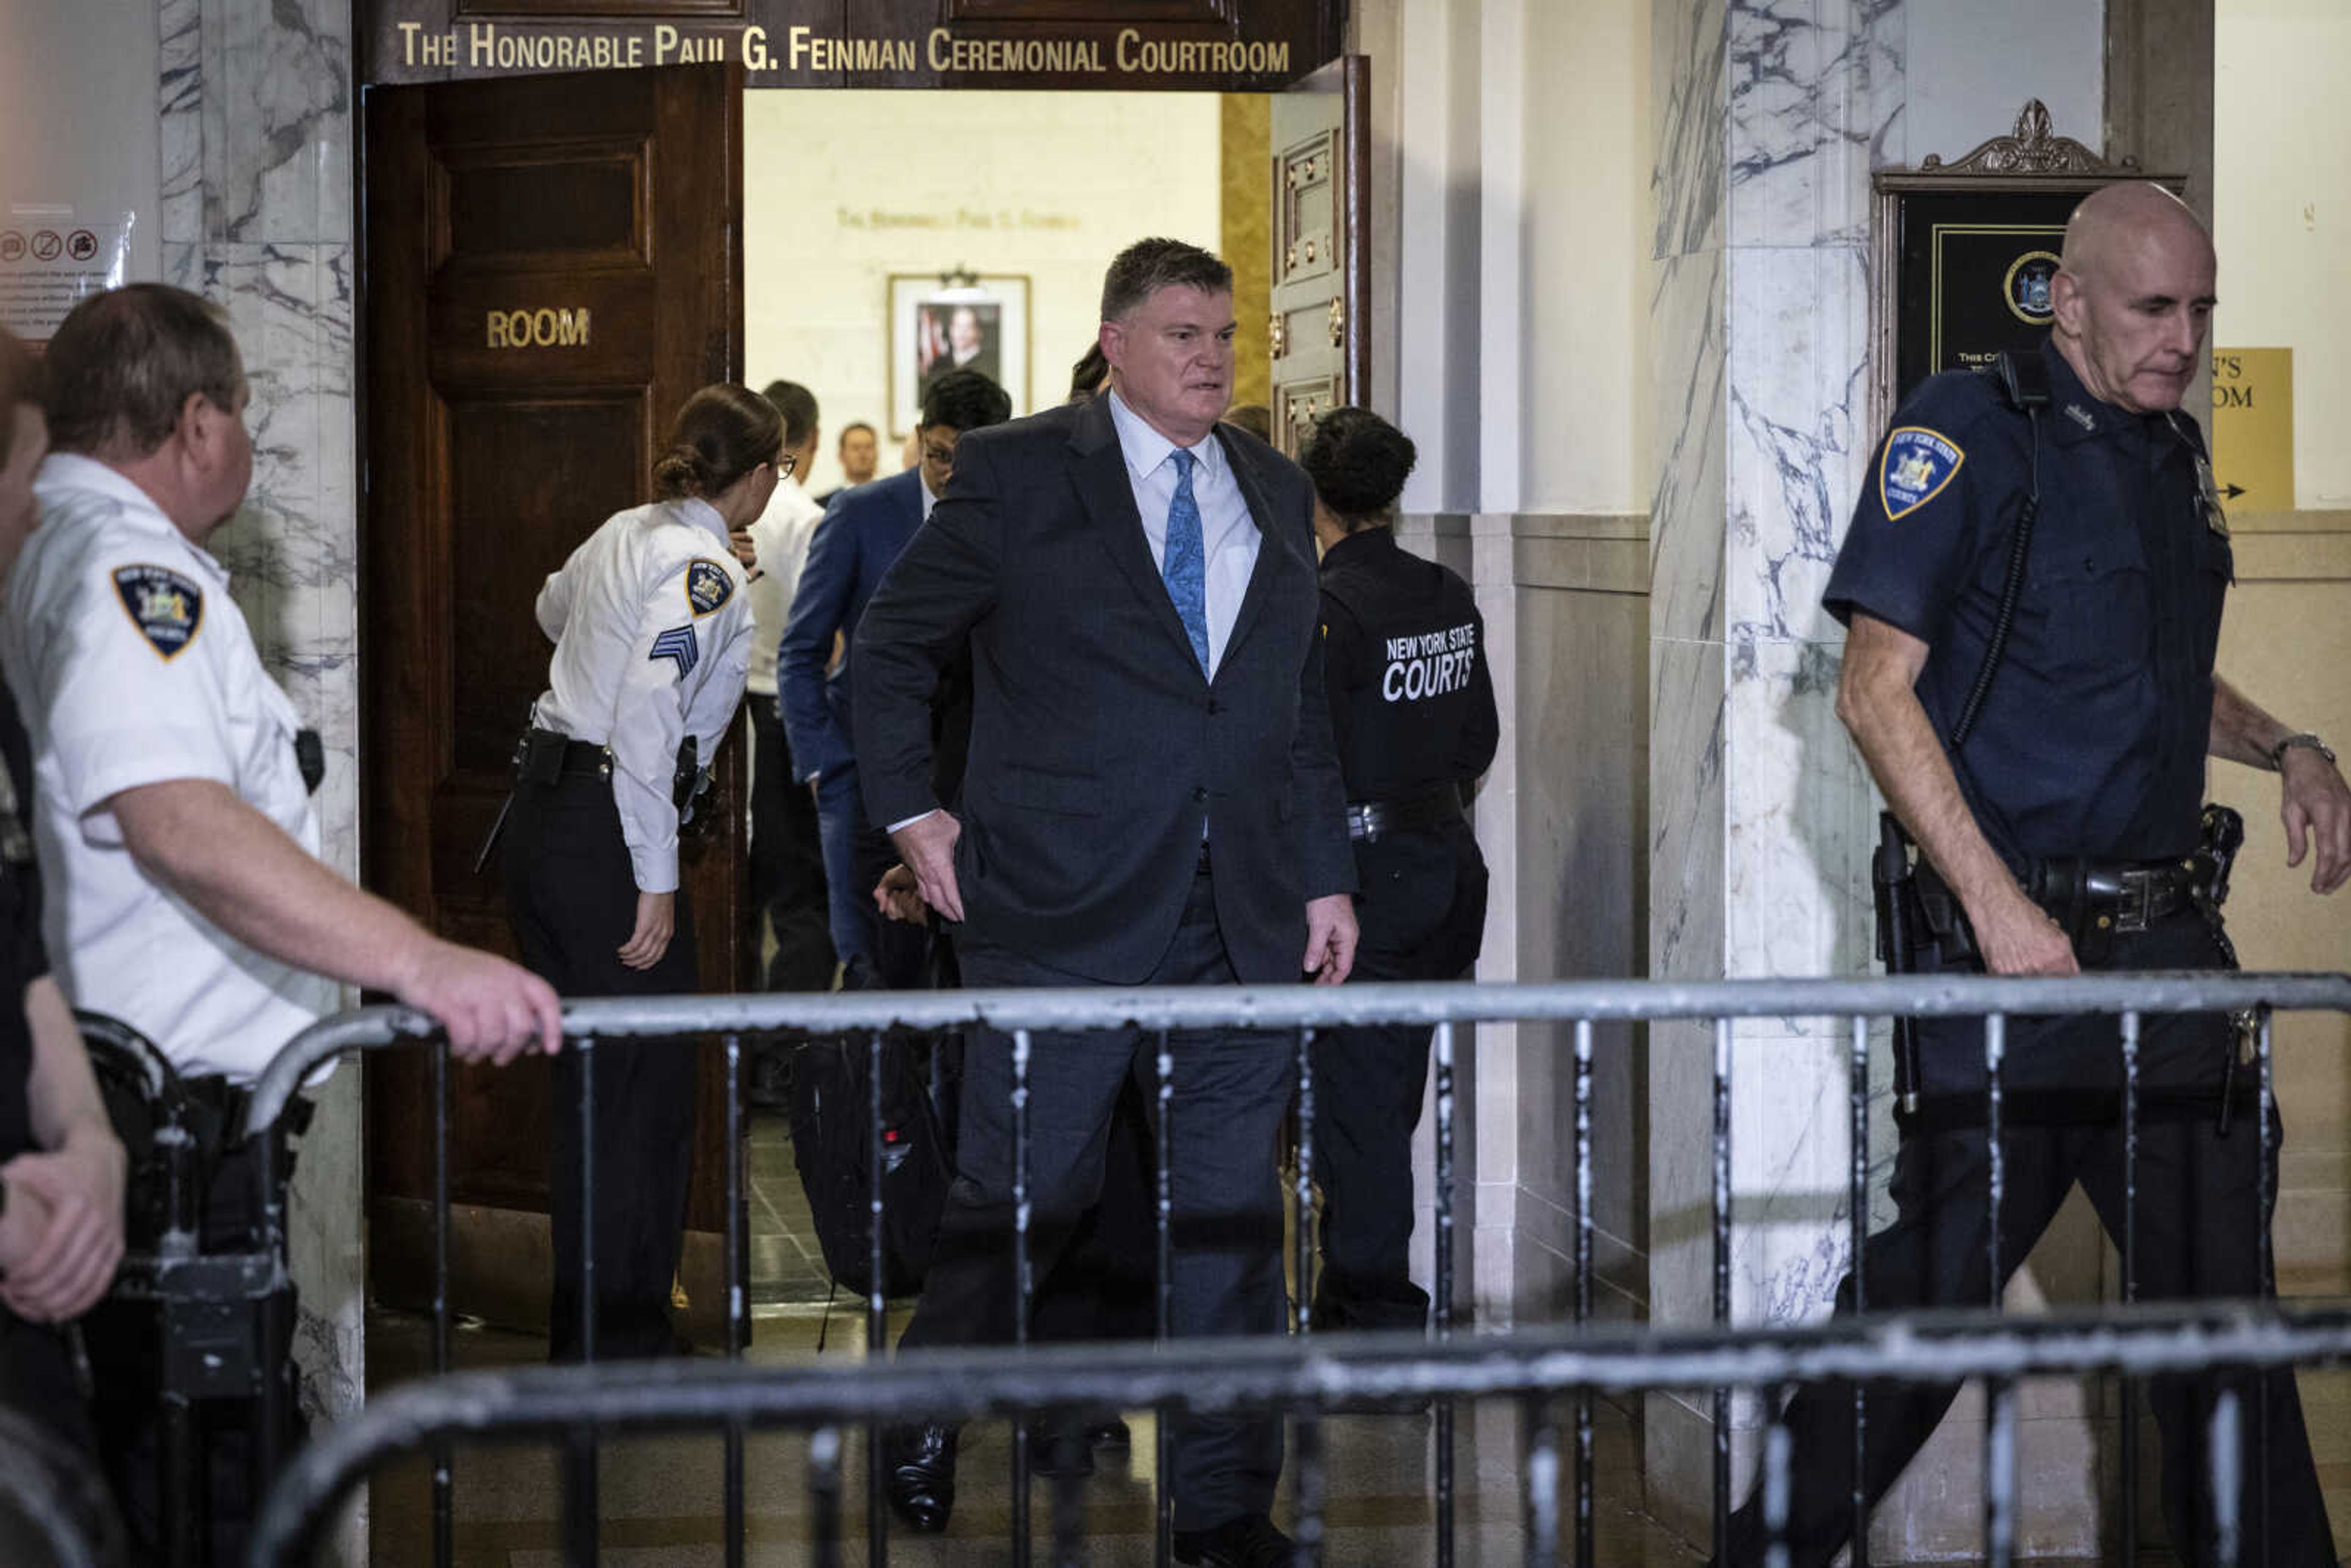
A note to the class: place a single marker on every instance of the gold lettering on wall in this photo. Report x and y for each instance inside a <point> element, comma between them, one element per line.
<point>539,329</point>
<point>803,51</point>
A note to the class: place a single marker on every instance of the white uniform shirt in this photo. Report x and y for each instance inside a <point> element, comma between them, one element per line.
<point>134,667</point>
<point>780,540</point>
<point>652,636</point>
<point>1228,534</point>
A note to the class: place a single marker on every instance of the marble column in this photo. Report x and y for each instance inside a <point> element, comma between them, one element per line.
<point>1769,116</point>
<point>257,198</point>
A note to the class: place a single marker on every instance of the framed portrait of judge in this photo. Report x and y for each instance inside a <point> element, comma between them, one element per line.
<point>961,320</point>
<point>1965,252</point>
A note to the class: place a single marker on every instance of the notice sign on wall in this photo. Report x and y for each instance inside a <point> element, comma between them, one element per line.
<point>50,257</point>
<point>2253,428</point>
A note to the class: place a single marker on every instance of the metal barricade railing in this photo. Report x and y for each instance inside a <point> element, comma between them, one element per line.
<point>1298,1012</point>
<point>1534,1367</point>
<point>53,1512</point>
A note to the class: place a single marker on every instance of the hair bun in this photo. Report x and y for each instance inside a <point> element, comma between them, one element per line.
<point>1358,461</point>
<point>679,472</point>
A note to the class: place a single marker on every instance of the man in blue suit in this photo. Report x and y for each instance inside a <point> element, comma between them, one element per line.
<point>862,532</point>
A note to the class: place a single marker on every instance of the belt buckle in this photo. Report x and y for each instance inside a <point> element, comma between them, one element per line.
<point>2134,911</point>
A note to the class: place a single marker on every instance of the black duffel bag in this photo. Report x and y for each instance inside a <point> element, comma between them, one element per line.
<point>832,1145</point>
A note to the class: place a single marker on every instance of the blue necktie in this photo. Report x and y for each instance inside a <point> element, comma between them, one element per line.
<point>1186,568</point>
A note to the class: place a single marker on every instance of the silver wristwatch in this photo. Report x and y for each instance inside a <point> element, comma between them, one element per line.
<point>2277,752</point>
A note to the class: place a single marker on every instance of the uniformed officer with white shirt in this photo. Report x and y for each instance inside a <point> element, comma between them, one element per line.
<point>653,636</point>
<point>788,887</point>
<point>173,821</point>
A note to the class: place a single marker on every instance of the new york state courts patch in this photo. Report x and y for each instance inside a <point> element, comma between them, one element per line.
<point>707,585</point>
<point>166,607</point>
<point>1918,462</point>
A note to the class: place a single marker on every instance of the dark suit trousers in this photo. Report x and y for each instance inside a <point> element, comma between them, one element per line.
<point>571,896</point>
<point>1230,1093</point>
<point>788,887</point>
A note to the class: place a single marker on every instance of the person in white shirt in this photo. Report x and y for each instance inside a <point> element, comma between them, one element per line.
<point>174,778</point>
<point>651,630</point>
<point>788,889</point>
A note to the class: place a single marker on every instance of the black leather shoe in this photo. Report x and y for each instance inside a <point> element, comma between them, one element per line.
<point>919,1478</point>
<point>1110,1434</point>
<point>1250,1542</point>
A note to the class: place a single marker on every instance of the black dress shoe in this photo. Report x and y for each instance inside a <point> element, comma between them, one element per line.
<point>919,1478</point>
<point>1110,1434</point>
<point>1250,1542</point>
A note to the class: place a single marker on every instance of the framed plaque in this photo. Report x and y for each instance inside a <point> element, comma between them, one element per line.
<point>1965,251</point>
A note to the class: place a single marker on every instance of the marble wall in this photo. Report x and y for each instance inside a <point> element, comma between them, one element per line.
<point>1769,117</point>
<point>255,100</point>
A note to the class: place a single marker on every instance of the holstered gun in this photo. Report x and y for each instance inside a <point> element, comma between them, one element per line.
<point>688,786</point>
<point>1893,886</point>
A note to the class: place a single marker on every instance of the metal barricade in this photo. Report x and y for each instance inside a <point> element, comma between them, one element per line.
<point>1300,1376</point>
<point>1533,1368</point>
<point>53,1512</point>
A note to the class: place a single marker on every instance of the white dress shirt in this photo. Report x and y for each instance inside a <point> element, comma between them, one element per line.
<point>134,667</point>
<point>649,648</point>
<point>1228,534</point>
<point>780,543</point>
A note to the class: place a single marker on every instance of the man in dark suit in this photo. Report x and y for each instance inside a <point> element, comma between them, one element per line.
<point>862,534</point>
<point>1151,798</point>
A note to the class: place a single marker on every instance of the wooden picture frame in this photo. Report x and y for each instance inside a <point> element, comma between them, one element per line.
<point>1962,252</point>
<point>934,315</point>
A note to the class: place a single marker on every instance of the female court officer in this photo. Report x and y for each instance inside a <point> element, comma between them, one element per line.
<point>1412,711</point>
<point>651,633</point>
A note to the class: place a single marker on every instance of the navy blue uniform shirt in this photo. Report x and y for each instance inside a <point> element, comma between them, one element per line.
<point>2092,740</point>
<point>1404,662</point>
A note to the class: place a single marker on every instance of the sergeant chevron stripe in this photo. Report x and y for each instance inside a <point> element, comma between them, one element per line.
<point>678,644</point>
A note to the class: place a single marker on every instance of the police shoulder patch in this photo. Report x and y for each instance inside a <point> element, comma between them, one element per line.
<point>709,585</point>
<point>680,647</point>
<point>167,608</point>
<point>1918,463</point>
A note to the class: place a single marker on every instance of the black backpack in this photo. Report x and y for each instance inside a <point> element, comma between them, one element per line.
<point>833,1120</point>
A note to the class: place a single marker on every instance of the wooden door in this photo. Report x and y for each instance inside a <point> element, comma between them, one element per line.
<point>553,265</point>
<point>1321,265</point>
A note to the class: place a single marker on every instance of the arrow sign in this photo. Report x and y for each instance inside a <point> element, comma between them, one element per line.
<point>2252,427</point>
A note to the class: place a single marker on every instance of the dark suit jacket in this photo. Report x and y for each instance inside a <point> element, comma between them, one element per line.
<point>861,533</point>
<point>1097,745</point>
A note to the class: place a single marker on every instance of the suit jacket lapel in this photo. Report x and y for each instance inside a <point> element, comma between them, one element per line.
<point>1273,544</point>
<point>1109,498</point>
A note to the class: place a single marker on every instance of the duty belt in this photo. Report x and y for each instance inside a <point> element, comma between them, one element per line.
<point>2091,899</point>
<point>1371,820</point>
<point>545,756</point>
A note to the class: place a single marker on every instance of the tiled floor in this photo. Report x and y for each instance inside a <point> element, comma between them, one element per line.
<point>785,1268</point>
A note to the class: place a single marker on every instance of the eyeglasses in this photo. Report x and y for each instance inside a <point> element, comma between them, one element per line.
<point>786,466</point>
<point>942,456</point>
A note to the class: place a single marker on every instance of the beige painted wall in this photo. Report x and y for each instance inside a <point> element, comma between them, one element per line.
<point>1588,232</point>
<point>1080,176</point>
<point>2285,643</point>
<point>2282,213</point>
